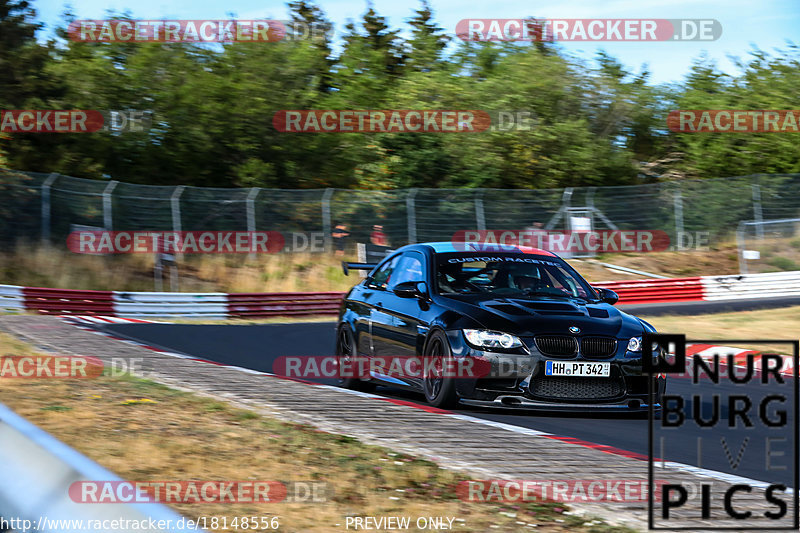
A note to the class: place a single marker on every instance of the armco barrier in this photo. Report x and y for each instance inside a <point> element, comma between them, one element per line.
<point>244,305</point>
<point>11,298</point>
<point>780,284</point>
<point>159,304</point>
<point>656,290</point>
<point>37,473</point>
<point>68,302</point>
<point>261,305</point>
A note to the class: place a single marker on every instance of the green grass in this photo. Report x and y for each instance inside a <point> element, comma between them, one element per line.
<point>56,408</point>
<point>783,263</point>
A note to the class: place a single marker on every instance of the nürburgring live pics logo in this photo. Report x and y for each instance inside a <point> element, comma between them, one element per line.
<point>751,431</point>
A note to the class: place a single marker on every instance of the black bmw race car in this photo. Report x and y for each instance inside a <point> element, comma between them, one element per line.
<point>528,329</point>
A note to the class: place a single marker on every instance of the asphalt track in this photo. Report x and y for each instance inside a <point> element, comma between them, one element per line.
<point>257,346</point>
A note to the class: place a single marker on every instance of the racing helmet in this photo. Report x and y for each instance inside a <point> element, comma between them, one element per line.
<point>527,282</point>
<point>524,277</point>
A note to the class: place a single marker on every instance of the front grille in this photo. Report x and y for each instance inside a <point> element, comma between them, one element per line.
<point>598,346</point>
<point>567,388</point>
<point>557,345</point>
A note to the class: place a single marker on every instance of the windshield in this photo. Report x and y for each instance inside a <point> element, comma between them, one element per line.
<point>509,274</point>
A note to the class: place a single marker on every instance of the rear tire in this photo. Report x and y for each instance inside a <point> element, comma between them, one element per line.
<point>345,351</point>
<point>440,390</point>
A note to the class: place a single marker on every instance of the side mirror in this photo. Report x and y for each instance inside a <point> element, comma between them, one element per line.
<point>411,289</point>
<point>422,289</point>
<point>607,295</point>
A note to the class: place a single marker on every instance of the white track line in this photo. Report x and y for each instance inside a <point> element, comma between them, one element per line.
<point>702,472</point>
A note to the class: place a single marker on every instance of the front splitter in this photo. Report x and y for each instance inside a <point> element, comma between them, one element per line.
<point>518,402</point>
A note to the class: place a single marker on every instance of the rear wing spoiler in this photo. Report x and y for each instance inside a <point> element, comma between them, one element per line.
<point>347,267</point>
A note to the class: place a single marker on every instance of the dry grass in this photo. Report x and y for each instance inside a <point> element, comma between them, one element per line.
<point>777,254</point>
<point>764,324</point>
<point>39,265</point>
<point>175,435</point>
<point>722,259</point>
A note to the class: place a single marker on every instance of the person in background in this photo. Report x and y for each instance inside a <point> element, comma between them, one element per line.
<point>378,237</point>
<point>340,235</point>
<point>538,236</point>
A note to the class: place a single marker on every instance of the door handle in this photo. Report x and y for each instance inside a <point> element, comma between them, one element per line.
<point>379,305</point>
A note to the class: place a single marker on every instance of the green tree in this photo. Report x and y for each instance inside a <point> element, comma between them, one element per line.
<point>22,59</point>
<point>427,42</point>
<point>320,30</point>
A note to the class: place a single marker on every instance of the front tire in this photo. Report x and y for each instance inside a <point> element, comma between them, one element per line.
<point>440,389</point>
<point>345,354</point>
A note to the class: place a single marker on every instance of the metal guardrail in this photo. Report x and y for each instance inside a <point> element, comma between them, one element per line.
<point>656,290</point>
<point>159,304</point>
<point>37,471</point>
<point>61,301</point>
<point>262,305</point>
<point>737,287</point>
<point>627,270</point>
<point>253,305</point>
<point>11,298</point>
<point>167,304</point>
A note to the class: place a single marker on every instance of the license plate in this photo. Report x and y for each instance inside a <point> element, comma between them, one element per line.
<point>575,369</point>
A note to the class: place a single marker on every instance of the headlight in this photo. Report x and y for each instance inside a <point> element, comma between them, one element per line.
<point>635,345</point>
<point>481,338</point>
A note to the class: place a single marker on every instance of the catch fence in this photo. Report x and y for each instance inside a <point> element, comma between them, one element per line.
<point>769,245</point>
<point>47,206</point>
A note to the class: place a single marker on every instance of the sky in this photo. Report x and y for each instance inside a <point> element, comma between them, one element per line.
<point>746,24</point>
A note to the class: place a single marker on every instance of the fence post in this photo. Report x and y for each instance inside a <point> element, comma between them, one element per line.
<point>251,213</point>
<point>46,206</point>
<point>589,201</point>
<point>412,216</point>
<point>175,202</point>
<point>757,213</point>
<point>108,219</point>
<point>678,205</point>
<point>326,219</point>
<point>740,244</point>
<point>566,198</point>
<point>593,211</point>
<point>480,218</point>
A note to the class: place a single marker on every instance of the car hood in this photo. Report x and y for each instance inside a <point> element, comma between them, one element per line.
<point>532,316</point>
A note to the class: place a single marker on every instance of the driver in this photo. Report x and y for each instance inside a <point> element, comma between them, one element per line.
<point>527,282</point>
<point>523,277</point>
